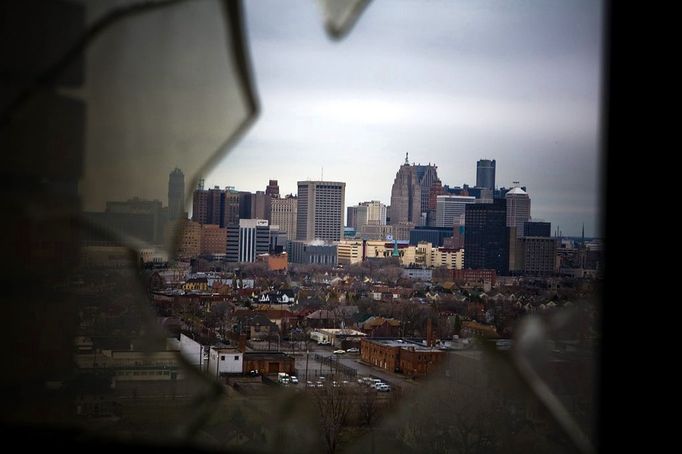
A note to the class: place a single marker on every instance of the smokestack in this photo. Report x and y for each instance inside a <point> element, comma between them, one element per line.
<point>242,343</point>
<point>429,333</point>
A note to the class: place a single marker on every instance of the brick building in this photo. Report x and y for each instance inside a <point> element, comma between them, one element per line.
<point>408,358</point>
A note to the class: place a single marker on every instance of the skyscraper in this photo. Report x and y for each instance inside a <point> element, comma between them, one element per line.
<point>485,174</point>
<point>410,192</point>
<point>176,194</point>
<point>486,236</point>
<point>283,214</point>
<point>518,209</point>
<point>320,210</point>
<point>216,206</point>
<point>272,189</point>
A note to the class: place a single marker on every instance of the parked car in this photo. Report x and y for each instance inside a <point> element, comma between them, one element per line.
<point>353,350</point>
<point>294,380</point>
<point>383,387</point>
<point>338,352</point>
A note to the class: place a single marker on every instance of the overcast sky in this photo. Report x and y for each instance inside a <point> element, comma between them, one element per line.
<point>450,82</point>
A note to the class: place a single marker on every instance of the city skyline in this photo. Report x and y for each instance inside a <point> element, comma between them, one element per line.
<point>407,80</point>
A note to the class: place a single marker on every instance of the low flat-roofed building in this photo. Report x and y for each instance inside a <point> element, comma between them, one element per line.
<point>396,355</point>
<point>269,363</point>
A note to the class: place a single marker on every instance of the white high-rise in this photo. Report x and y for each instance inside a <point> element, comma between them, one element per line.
<point>518,208</point>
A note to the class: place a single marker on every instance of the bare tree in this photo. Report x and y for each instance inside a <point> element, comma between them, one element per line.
<point>334,404</point>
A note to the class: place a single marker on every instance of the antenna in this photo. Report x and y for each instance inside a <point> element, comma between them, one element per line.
<point>407,162</point>
<point>322,174</point>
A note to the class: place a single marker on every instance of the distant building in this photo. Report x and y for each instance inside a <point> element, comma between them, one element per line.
<point>537,228</point>
<point>261,205</point>
<point>375,232</point>
<point>139,218</point>
<point>486,240</point>
<point>537,256</point>
<point>190,240</point>
<point>433,235</point>
<point>485,174</point>
<point>419,274</point>
<point>450,209</point>
<point>284,214</point>
<point>518,209</point>
<point>272,189</point>
<point>275,262</point>
<point>213,240</point>
<point>320,210</point>
<point>397,356</point>
<point>475,277</point>
<point>410,192</point>
<point>313,252</point>
<point>176,194</point>
<point>250,239</point>
<point>216,206</point>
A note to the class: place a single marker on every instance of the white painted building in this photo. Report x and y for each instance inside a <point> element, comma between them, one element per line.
<point>225,360</point>
<point>192,351</point>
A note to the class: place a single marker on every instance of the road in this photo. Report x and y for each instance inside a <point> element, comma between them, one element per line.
<point>352,360</point>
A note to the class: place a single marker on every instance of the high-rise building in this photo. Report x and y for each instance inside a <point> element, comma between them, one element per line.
<point>537,228</point>
<point>283,213</point>
<point>272,189</point>
<point>518,209</point>
<point>261,205</point>
<point>213,240</point>
<point>245,205</point>
<point>485,174</point>
<point>320,210</point>
<point>248,240</point>
<point>231,213</point>
<point>216,206</point>
<point>366,213</point>
<point>450,209</point>
<point>176,194</point>
<point>486,238</point>
<point>376,212</point>
<point>410,192</point>
<point>537,256</point>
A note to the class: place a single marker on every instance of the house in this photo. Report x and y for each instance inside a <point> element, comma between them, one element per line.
<point>376,326</point>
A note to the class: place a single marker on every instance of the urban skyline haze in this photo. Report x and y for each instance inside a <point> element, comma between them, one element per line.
<point>450,83</point>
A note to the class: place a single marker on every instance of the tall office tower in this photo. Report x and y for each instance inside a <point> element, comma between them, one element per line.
<point>176,194</point>
<point>450,209</point>
<point>435,190</point>
<point>231,205</point>
<point>352,217</point>
<point>486,236</point>
<point>272,189</point>
<point>283,214</point>
<point>247,240</point>
<point>260,205</point>
<point>518,209</point>
<point>200,206</point>
<point>245,205</point>
<point>320,210</point>
<point>485,174</point>
<point>537,228</point>
<point>410,192</point>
